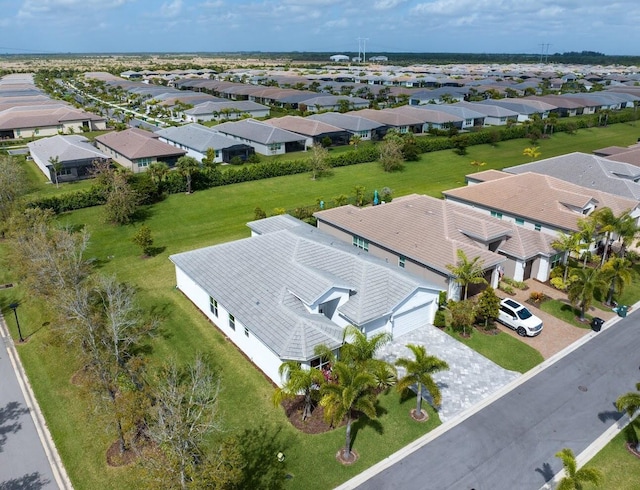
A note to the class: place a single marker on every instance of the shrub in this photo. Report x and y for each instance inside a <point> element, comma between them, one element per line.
<point>536,296</point>
<point>237,160</point>
<point>506,288</point>
<point>558,283</point>
<point>513,283</point>
<point>440,320</point>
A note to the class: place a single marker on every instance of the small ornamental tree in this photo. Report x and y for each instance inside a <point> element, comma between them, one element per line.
<point>488,307</point>
<point>462,316</point>
<point>144,240</point>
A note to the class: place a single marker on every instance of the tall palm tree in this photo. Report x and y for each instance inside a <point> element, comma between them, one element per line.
<point>158,171</point>
<point>576,478</point>
<point>187,166</point>
<point>588,228</point>
<point>619,273</point>
<point>626,228</point>
<point>630,403</point>
<point>56,166</point>
<point>358,348</point>
<point>584,284</point>
<point>606,223</point>
<point>418,372</point>
<point>567,243</point>
<point>349,390</point>
<point>298,380</point>
<point>467,271</point>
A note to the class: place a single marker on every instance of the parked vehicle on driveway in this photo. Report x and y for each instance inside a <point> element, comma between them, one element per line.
<point>516,316</point>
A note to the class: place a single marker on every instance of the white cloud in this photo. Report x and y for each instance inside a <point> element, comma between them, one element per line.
<point>171,9</point>
<point>34,8</point>
<point>387,4</point>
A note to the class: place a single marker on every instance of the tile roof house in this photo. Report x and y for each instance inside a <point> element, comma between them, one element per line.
<point>356,125</point>
<point>493,115</point>
<point>46,120</point>
<point>536,201</point>
<point>75,153</point>
<point>590,171</point>
<point>136,149</point>
<point>265,139</point>
<point>315,131</point>
<point>290,287</point>
<point>319,103</point>
<point>394,119</point>
<point>196,139</point>
<point>225,110</point>
<point>430,116</point>
<point>422,235</point>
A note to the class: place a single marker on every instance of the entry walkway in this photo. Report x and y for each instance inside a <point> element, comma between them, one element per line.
<point>471,377</point>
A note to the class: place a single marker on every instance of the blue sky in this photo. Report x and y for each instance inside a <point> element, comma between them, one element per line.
<point>478,26</point>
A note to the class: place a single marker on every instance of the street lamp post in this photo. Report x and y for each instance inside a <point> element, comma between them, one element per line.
<point>14,307</point>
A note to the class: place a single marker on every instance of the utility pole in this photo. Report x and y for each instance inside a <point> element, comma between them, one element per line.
<point>364,48</point>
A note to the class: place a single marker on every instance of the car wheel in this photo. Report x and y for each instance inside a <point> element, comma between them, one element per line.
<point>522,332</point>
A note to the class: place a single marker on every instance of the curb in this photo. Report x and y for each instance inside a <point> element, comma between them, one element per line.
<point>582,458</point>
<point>57,468</point>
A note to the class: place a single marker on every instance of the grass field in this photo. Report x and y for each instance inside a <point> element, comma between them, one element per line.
<point>184,222</point>
<point>620,468</point>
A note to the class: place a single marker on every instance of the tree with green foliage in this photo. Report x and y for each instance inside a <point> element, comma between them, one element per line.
<point>532,152</point>
<point>630,403</point>
<point>575,478</point>
<point>584,284</point>
<point>187,166</point>
<point>626,228</point>
<point>319,161</point>
<point>606,222</point>
<point>209,159</point>
<point>418,371</point>
<point>299,380</point>
<point>355,140</point>
<point>158,172</point>
<point>488,307</point>
<point>56,166</point>
<point>567,243</point>
<point>619,273</point>
<point>144,240</point>
<point>463,314</point>
<point>349,390</point>
<point>122,200</point>
<point>13,184</point>
<point>359,192</point>
<point>259,213</point>
<point>467,271</point>
<point>391,157</point>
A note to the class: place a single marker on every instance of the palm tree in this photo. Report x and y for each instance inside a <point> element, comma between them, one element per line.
<point>587,227</point>
<point>467,272</point>
<point>606,223</point>
<point>360,350</point>
<point>626,228</point>
<point>158,171</point>
<point>619,273</point>
<point>56,166</point>
<point>298,380</point>
<point>567,243</point>
<point>630,403</point>
<point>584,284</point>
<point>349,390</point>
<point>187,166</point>
<point>355,140</point>
<point>532,152</point>
<point>576,478</point>
<point>418,372</point>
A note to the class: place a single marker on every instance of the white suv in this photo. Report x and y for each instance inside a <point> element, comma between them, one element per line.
<point>516,316</point>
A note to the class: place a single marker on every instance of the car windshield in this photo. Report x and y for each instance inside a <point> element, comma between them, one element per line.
<point>524,314</point>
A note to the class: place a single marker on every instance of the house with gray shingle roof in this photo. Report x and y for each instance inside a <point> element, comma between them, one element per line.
<point>493,115</point>
<point>75,153</point>
<point>196,139</point>
<point>265,139</point>
<point>225,110</point>
<point>290,287</point>
<point>136,149</point>
<point>422,234</point>
<point>315,131</point>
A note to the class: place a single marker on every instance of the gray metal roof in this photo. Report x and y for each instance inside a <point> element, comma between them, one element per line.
<point>197,137</point>
<point>266,280</point>
<point>66,148</point>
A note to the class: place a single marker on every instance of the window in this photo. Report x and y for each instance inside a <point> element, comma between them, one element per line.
<point>213,304</point>
<point>232,321</point>
<point>495,214</point>
<point>519,221</point>
<point>360,243</point>
<point>401,261</point>
<point>537,227</point>
<point>246,331</point>
<point>65,171</point>
<point>143,162</point>
<point>556,260</point>
<point>320,363</point>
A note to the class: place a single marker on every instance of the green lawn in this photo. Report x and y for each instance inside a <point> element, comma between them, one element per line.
<point>565,312</point>
<point>184,222</point>
<point>503,349</point>
<point>621,469</point>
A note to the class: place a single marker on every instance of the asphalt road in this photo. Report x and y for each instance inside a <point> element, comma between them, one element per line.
<point>511,443</point>
<point>23,461</point>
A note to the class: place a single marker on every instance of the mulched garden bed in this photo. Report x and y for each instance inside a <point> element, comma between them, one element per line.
<point>315,424</point>
<point>631,447</point>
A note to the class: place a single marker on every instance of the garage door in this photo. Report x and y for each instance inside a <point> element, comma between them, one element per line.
<point>412,319</point>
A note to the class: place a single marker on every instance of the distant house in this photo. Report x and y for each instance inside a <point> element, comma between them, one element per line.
<point>197,139</point>
<point>290,287</point>
<point>337,58</point>
<point>493,115</point>
<point>422,235</point>
<point>314,131</point>
<point>265,139</point>
<point>429,117</point>
<point>46,120</point>
<point>356,125</point>
<point>394,119</point>
<point>470,117</point>
<point>76,155</point>
<point>333,103</point>
<point>136,149</point>
<point>225,111</point>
